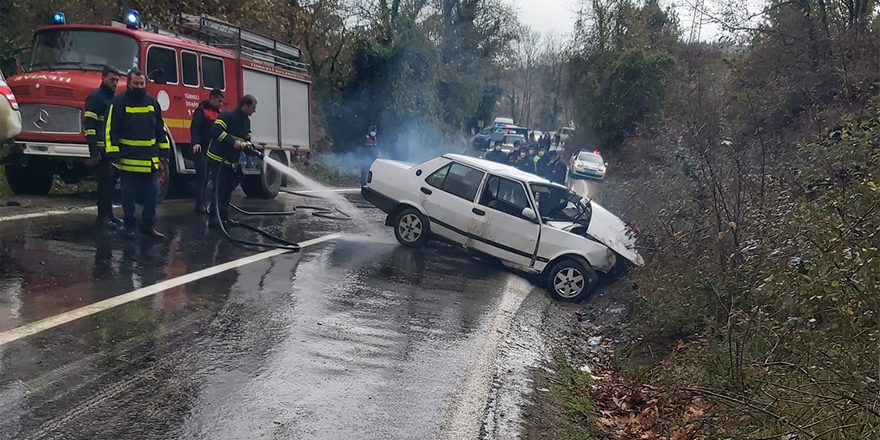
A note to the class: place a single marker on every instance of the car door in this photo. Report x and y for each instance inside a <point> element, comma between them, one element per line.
<point>500,229</point>
<point>448,198</point>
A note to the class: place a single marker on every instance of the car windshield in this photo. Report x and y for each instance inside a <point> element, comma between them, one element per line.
<point>556,203</point>
<point>83,50</point>
<point>590,157</point>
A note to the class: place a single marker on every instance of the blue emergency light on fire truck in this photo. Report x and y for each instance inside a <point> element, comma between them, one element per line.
<point>183,66</point>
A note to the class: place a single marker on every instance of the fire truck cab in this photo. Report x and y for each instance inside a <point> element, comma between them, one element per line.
<point>65,67</point>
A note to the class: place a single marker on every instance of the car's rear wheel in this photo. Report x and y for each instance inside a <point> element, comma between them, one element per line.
<point>411,228</point>
<point>571,280</point>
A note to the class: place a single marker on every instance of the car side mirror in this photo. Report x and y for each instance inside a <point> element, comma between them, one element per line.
<point>529,214</point>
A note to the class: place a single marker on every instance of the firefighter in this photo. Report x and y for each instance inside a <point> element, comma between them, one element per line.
<point>200,134</point>
<point>93,123</point>
<point>136,139</point>
<point>370,153</point>
<point>229,134</point>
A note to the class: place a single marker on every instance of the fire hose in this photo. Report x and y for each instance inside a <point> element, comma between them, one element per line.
<point>280,243</point>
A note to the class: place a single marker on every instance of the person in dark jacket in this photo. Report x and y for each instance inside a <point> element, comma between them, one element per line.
<point>557,171</point>
<point>542,166</point>
<point>369,153</point>
<point>496,155</point>
<point>136,138</point>
<point>230,133</point>
<point>200,136</point>
<point>528,162</point>
<point>93,123</point>
<point>558,139</point>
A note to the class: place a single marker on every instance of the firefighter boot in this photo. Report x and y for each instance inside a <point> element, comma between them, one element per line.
<point>148,231</point>
<point>130,223</point>
<point>102,222</point>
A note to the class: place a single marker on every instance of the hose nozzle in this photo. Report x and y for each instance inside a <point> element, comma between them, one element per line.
<point>251,151</point>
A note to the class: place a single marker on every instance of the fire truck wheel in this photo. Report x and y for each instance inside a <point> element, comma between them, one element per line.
<point>164,178</point>
<point>267,184</point>
<point>29,176</point>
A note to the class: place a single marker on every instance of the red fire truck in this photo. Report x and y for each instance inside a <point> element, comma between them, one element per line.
<point>64,67</point>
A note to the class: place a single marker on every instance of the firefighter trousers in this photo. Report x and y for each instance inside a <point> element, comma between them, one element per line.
<point>224,183</point>
<point>107,175</point>
<point>201,184</point>
<point>140,188</point>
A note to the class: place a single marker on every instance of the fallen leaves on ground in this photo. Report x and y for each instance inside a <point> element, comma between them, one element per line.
<point>628,411</point>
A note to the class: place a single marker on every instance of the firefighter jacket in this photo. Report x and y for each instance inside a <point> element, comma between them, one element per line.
<point>202,122</point>
<point>93,120</point>
<point>231,126</point>
<point>136,133</point>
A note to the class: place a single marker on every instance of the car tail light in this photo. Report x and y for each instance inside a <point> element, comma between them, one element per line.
<point>7,92</point>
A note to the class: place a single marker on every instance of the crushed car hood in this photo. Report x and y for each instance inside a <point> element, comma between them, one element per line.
<point>614,233</point>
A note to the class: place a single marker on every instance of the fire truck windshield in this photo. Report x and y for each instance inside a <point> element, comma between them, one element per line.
<point>83,50</point>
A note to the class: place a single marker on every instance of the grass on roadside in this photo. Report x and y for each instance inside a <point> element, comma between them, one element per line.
<point>573,390</point>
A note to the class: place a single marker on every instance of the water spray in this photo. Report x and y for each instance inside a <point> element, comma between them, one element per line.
<point>280,243</point>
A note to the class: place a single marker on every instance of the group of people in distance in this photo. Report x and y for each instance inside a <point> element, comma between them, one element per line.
<point>531,159</point>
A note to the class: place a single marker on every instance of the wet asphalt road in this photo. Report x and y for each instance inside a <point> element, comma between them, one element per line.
<point>351,338</point>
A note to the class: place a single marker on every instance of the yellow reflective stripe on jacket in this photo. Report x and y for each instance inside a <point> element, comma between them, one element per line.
<point>164,145</point>
<point>137,162</point>
<point>221,123</point>
<point>217,158</point>
<point>110,147</point>
<point>91,131</point>
<point>100,143</point>
<point>139,165</point>
<point>135,169</point>
<point>138,143</point>
<point>92,115</point>
<point>222,136</point>
<point>147,109</point>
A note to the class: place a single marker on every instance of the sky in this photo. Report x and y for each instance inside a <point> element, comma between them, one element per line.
<point>558,16</point>
<point>547,16</point>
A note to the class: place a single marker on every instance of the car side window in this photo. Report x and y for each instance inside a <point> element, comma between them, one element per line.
<point>437,178</point>
<point>504,195</point>
<point>457,179</point>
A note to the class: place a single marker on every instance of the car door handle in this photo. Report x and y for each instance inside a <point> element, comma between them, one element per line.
<point>426,191</point>
<point>478,211</point>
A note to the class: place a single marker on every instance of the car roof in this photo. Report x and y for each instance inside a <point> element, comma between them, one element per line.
<point>500,169</point>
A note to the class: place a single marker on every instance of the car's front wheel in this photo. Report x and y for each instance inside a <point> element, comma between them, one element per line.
<point>571,280</point>
<point>411,228</point>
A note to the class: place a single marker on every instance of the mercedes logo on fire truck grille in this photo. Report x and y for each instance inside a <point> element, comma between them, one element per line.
<point>41,118</point>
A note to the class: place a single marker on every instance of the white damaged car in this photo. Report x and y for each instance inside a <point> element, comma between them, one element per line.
<point>519,218</point>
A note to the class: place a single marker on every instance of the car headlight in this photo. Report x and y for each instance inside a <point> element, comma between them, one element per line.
<point>577,163</point>
<point>602,169</point>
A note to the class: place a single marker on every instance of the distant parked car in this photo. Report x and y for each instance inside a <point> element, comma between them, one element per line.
<point>566,133</point>
<point>517,217</point>
<point>10,117</point>
<point>589,164</point>
<point>483,138</point>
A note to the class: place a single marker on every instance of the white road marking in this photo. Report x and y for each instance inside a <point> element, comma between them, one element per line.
<point>47,213</point>
<point>63,318</point>
<point>464,416</point>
